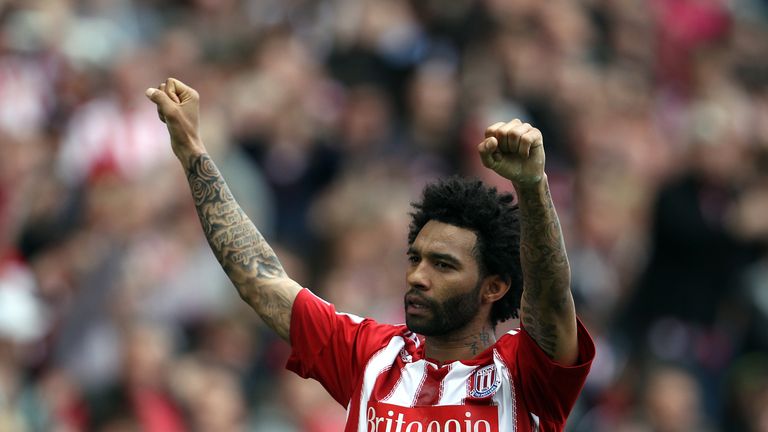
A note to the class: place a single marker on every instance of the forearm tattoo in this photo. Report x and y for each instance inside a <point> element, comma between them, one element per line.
<point>238,246</point>
<point>545,268</point>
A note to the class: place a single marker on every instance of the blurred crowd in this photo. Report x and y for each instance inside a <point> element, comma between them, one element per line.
<point>326,118</point>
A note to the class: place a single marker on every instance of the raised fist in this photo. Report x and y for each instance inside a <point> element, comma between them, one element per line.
<point>178,106</point>
<point>515,150</point>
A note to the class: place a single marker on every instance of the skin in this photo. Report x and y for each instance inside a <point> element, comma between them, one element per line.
<point>514,150</point>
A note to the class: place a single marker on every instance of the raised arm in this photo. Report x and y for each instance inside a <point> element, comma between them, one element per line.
<point>246,257</point>
<point>515,151</point>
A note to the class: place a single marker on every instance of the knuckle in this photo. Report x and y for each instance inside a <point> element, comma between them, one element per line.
<point>493,128</point>
<point>529,137</point>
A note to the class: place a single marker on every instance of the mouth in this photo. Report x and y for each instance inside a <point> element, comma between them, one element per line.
<point>415,304</point>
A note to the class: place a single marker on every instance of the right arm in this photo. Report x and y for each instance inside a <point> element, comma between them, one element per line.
<point>250,263</point>
<point>243,253</point>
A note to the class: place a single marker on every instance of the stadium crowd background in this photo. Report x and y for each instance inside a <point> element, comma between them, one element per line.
<point>327,117</point>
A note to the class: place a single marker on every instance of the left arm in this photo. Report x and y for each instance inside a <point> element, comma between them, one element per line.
<point>515,151</point>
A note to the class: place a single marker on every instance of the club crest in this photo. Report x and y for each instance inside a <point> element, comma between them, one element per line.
<point>485,382</point>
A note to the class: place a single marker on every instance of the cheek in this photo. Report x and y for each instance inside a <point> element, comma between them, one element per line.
<point>459,282</point>
<point>447,288</point>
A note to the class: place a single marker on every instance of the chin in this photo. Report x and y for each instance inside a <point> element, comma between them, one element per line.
<point>414,326</point>
<point>422,328</point>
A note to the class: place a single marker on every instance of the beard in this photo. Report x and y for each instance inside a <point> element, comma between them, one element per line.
<point>450,315</point>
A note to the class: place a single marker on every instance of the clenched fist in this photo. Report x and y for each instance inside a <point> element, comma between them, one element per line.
<point>178,106</point>
<point>515,150</point>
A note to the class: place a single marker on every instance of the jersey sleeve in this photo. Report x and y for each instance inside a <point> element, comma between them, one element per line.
<point>550,389</point>
<point>332,347</point>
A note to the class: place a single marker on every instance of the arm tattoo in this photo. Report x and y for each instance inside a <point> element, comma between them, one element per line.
<point>546,272</point>
<point>239,247</point>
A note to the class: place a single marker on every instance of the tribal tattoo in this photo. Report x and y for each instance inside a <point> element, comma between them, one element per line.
<point>242,251</point>
<point>546,271</point>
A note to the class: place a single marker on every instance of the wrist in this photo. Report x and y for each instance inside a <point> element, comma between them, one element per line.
<point>188,152</point>
<point>531,185</point>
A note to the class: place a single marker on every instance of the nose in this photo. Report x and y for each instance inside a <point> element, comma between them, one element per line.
<point>417,276</point>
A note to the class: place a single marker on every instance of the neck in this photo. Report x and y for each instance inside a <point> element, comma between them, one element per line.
<point>462,345</point>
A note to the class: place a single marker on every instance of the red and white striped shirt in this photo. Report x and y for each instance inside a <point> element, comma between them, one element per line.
<point>380,374</point>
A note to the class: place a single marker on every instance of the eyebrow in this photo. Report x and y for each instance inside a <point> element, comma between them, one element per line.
<point>436,256</point>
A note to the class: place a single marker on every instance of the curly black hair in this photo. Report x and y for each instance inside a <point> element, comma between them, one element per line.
<point>493,217</point>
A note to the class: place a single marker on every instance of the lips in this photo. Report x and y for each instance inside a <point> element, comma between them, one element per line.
<point>415,304</point>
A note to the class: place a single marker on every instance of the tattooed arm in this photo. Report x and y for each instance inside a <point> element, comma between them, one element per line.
<point>515,151</point>
<point>547,308</point>
<point>241,250</point>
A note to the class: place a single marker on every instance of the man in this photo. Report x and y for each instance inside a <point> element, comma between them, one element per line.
<point>469,258</point>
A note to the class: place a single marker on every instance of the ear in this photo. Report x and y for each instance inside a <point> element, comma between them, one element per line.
<point>494,288</point>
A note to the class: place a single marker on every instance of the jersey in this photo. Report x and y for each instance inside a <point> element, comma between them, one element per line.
<point>380,373</point>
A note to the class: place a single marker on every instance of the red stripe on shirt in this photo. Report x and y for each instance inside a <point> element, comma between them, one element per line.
<point>431,389</point>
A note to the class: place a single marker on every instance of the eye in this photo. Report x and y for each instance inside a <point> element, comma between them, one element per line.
<point>443,265</point>
<point>413,259</point>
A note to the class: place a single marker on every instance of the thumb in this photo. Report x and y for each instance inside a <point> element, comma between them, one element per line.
<point>163,102</point>
<point>489,152</point>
